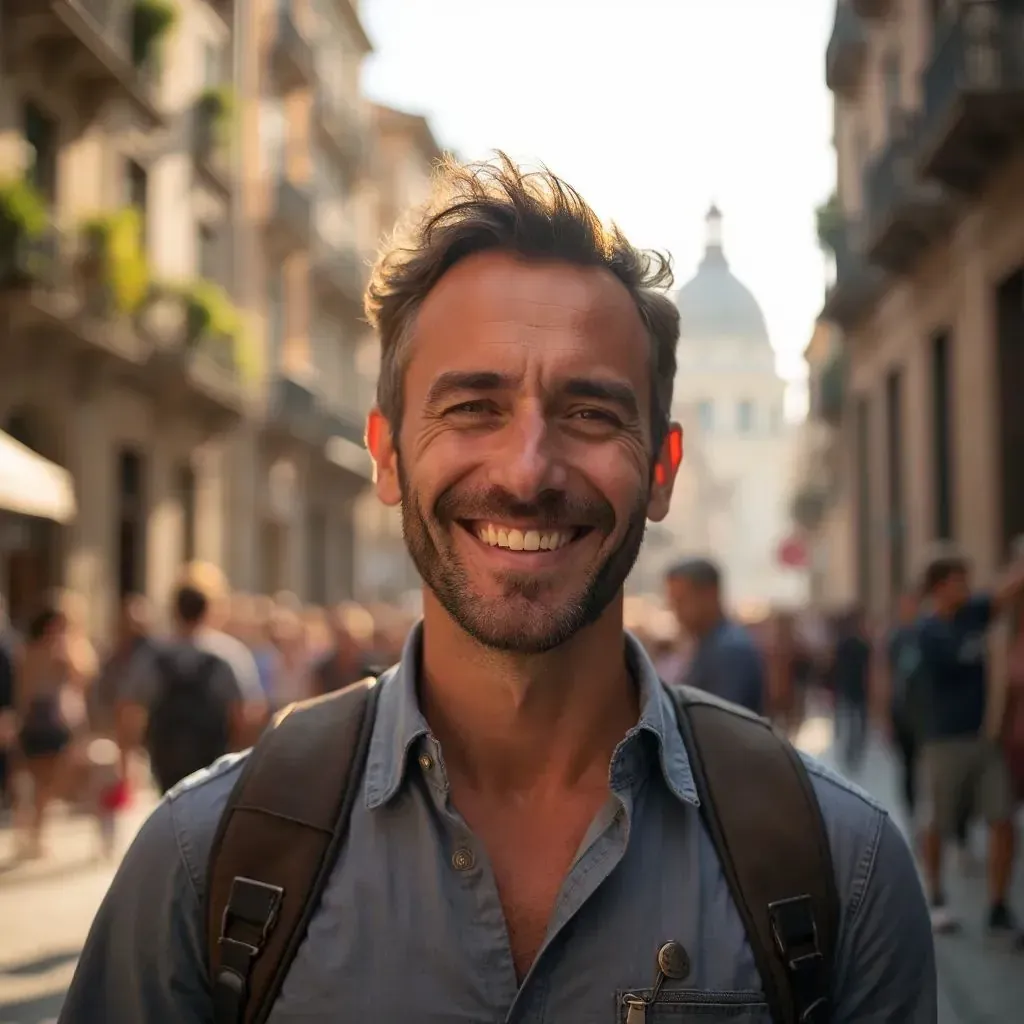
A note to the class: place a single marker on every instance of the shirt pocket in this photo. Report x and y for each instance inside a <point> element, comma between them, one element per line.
<point>680,1006</point>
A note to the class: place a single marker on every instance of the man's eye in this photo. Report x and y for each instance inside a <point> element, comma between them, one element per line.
<point>474,408</point>
<point>595,416</point>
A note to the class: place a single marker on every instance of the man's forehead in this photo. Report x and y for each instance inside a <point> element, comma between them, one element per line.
<point>493,287</point>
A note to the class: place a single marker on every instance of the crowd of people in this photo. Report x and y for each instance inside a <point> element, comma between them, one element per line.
<point>929,669</point>
<point>73,718</point>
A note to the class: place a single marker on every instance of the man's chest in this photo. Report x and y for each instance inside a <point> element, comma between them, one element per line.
<point>422,933</point>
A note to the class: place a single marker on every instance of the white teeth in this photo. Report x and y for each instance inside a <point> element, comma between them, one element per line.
<point>522,540</point>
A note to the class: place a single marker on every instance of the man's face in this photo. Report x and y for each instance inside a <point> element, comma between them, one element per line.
<point>954,591</point>
<point>523,463</point>
<point>692,604</point>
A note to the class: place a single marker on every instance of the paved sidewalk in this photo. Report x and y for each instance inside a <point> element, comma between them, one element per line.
<point>979,983</point>
<point>46,907</point>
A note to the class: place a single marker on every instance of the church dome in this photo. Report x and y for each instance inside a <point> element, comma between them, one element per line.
<point>714,305</point>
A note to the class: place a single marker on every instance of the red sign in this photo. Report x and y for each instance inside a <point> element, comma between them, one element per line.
<point>792,553</point>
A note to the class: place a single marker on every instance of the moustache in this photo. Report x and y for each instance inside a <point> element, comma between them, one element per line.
<point>550,510</point>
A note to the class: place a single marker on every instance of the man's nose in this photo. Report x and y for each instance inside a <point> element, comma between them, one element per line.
<point>528,462</point>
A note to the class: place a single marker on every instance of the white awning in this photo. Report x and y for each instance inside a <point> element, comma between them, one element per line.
<point>32,485</point>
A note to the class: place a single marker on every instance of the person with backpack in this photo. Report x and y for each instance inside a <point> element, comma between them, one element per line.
<point>187,695</point>
<point>519,821</point>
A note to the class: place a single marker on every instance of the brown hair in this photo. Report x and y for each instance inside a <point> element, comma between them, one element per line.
<point>537,216</point>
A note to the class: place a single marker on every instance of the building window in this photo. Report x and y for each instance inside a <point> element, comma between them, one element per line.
<point>706,415</point>
<point>41,135</point>
<point>187,498</point>
<point>208,262</point>
<point>894,430</point>
<point>942,451</point>
<point>275,318</point>
<point>745,416</point>
<point>892,86</point>
<point>862,456</point>
<point>273,136</point>
<point>137,186</point>
<point>131,537</point>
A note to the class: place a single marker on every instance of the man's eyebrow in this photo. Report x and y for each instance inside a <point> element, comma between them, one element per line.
<point>614,392</point>
<point>459,381</point>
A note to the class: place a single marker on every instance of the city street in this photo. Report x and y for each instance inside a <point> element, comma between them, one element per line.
<point>46,908</point>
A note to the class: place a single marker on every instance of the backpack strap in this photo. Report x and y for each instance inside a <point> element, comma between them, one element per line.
<point>278,839</point>
<point>760,810</point>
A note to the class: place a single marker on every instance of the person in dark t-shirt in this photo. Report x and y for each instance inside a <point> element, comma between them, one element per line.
<point>961,765</point>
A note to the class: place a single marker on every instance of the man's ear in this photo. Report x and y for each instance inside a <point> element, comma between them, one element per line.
<point>669,459</point>
<point>382,450</point>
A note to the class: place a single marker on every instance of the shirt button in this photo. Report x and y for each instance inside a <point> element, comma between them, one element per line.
<point>463,859</point>
<point>426,762</point>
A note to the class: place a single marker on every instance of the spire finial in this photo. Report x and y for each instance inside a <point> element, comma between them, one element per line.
<point>713,221</point>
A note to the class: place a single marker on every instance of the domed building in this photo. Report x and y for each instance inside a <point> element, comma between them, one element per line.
<point>732,496</point>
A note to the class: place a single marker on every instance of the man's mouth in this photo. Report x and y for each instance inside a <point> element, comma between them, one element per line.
<point>523,537</point>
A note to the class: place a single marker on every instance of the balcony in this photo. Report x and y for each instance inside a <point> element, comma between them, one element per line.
<point>846,55</point>
<point>828,390</point>
<point>869,9</point>
<point>290,218</point>
<point>194,368</point>
<point>211,148</point>
<point>292,59</point>
<point>905,215</point>
<point>57,292</point>
<point>858,284</point>
<point>973,109</point>
<point>342,129</point>
<point>338,270</point>
<point>85,49</point>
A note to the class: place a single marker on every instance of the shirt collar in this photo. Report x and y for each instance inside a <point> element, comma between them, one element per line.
<point>400,725</point>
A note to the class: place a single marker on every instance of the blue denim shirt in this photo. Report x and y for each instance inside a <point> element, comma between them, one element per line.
<point>407,932</point>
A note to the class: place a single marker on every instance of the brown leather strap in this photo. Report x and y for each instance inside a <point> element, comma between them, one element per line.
<point>761,812</point>
<point>277,842</point>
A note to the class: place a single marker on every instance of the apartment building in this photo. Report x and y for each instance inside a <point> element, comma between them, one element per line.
<point>927,230</point>
<point>300,465</point>
<point>121,354</point>
<point>821,506</point>
<point>406,153</point>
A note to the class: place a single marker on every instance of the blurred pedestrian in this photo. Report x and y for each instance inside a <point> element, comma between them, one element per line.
<point>725,660</point>
<point>910,699</point>
<point>851,673</point>
<point>961,765</point>
<point>349,657</point>
<point>42,674</point>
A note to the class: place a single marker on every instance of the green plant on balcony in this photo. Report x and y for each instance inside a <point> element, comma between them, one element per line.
<point>114,263</point>
<point>151,21</point>
<point>830,223</point>
<point>216,109</point>
<point>22,218</point>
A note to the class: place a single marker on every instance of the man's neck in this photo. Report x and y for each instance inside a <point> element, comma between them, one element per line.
<point>527,723</point>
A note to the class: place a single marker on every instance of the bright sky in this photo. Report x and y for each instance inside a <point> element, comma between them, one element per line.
<point>651,115</point>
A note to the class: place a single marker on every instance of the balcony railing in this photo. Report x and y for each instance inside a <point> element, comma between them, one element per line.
<point>291,216</point>
<point>904,213</point>
<point>858,284</point>
<point>846,55</point>
<point>293,56</point>
<point>830,390</point>
<point>84,46</point>
<point>339,268</point>
<point>342,128</point>
<point>974,93</point>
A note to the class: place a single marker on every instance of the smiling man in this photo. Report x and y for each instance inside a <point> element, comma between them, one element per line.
<point>523,827</point>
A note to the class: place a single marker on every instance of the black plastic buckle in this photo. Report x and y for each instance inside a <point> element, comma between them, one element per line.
<point>795,932</point>
<point>253,904</point>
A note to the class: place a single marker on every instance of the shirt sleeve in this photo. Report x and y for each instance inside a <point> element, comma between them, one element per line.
<point>887,956</point>
<point>143,962</point>
<point>981,609</point>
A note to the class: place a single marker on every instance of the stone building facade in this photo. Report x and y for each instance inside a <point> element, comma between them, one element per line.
<point>927,230</point>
